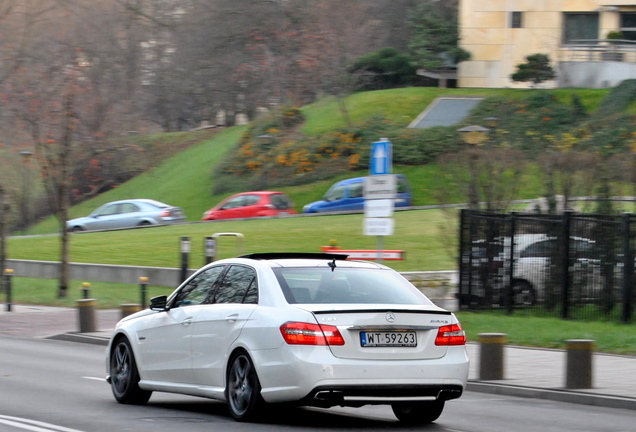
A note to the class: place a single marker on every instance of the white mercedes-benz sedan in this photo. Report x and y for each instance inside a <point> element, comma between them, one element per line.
<point>303,328</point>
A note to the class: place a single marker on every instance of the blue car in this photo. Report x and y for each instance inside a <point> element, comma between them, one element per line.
<point>347,195</point>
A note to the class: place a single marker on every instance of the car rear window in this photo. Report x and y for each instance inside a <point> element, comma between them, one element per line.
<point>346,285</point>
<point>280,201</point>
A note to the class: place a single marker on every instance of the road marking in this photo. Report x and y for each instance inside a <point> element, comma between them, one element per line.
<point>33,425</point>
<point>95,378</point>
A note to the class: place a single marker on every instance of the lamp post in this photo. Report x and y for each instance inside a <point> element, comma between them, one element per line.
<point>25,202</point>
<point>266,142</point>
<point>474,136</point>
<point>491,122</point>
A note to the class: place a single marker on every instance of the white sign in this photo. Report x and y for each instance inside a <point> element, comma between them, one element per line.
<point>378,208</point>
<point>380,186</point>
<point>378,226</point>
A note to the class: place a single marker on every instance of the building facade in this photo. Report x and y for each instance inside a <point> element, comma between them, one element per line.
<point>591,43</point>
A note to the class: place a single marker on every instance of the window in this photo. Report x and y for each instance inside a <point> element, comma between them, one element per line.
<point>542,249</point>
<point>198,289</point>
<point>628,25</point>
<point>234,203</point>
<point>516,19</point>
<point>129,208</point>
<point>281,201</point>
<point>356,190</point>
<point>335,193</point>
<point>580,28</point>
<point>110,210</point>
<point>235,286</point>
<point>251,200</point>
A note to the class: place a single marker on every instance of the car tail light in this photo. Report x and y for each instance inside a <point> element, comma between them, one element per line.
<point>299,333</point>
<point>165,214</point>
<point>451,335</point>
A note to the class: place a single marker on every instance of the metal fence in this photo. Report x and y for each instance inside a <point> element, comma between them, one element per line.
<point>571,266</point>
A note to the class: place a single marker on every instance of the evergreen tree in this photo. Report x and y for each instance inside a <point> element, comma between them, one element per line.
<point>435,42</point>
<point>537,69</point>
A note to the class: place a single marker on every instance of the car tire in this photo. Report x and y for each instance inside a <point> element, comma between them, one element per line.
<point>76,229</point>
<point>523,293</point>
<point>418,412</point>
<point>243,389</point>
<point>124,375</point>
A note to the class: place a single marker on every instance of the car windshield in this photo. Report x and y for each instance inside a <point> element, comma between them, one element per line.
<point>347,285</point>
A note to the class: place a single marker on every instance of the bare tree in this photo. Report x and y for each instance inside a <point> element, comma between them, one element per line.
<point>567,171</point>
<point>487,178</point>
<point>343,31</point>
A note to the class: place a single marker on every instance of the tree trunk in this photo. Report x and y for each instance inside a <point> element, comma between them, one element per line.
<point>4,209</point>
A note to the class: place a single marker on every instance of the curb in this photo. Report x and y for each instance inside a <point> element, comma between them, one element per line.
<point>558,395</point>
<point>81,338</point>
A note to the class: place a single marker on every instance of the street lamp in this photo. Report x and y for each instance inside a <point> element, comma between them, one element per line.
<point>491,122</point>
<point>266,142</point>
<point>475,136</point>
<point>26,189</point>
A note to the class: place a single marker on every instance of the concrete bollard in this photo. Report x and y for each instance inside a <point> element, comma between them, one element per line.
<point>491,358</point>
<point>578,374</point>
<point>129,309</point>
<point>86,315</point>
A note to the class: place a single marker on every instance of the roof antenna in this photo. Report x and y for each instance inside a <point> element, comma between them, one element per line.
<point>332,264</point>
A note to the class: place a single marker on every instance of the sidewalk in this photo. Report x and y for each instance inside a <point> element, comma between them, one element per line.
<point>528,372</point>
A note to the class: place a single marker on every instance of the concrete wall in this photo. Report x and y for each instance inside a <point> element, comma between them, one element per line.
<point>157,276</point>
<point>594,74</point>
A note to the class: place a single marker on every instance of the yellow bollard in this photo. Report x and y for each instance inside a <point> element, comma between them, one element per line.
<point>86,315</point>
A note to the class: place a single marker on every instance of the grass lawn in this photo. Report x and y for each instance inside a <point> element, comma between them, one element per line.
<point>417,232</point>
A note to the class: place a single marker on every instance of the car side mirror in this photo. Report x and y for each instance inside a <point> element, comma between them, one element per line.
<point>159,303</point>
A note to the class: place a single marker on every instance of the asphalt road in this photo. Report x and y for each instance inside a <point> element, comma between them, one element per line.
<point>49,385</point>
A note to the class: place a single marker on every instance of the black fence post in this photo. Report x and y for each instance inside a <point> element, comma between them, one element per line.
<point>565,265</point>
<point>464,277</point>
<point>185,257</point>
<point>628,269</point>
<point>8,275</point>
<point>511,267</point>
<point>143,285</point>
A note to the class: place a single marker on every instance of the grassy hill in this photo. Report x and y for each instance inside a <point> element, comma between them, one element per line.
<point>185,180</point>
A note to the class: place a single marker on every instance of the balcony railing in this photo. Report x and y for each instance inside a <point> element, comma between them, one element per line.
<point>599,50</point>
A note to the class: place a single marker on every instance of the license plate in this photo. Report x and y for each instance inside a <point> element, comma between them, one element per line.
<point>388,339</point>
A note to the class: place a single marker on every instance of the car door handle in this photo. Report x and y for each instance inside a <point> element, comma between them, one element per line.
<point>231,318</point>
<point>186,322</point>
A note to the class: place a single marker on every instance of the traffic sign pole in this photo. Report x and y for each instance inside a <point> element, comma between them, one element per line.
<point>380,186</point>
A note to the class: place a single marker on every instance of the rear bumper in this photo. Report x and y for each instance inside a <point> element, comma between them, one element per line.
<point>355,396</point>
<point>313,376</point>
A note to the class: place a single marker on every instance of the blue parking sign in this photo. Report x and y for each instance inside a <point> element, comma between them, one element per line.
<point>381,160</point>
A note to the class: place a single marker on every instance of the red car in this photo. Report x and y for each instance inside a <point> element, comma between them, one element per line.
<point>251,204</point>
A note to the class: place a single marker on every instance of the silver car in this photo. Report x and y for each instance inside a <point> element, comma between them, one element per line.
<point>127,214</point>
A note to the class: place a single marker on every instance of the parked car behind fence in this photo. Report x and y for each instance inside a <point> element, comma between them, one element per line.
<point>566,265</point>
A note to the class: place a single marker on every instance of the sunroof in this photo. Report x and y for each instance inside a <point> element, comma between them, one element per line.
<point>445,111</point>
